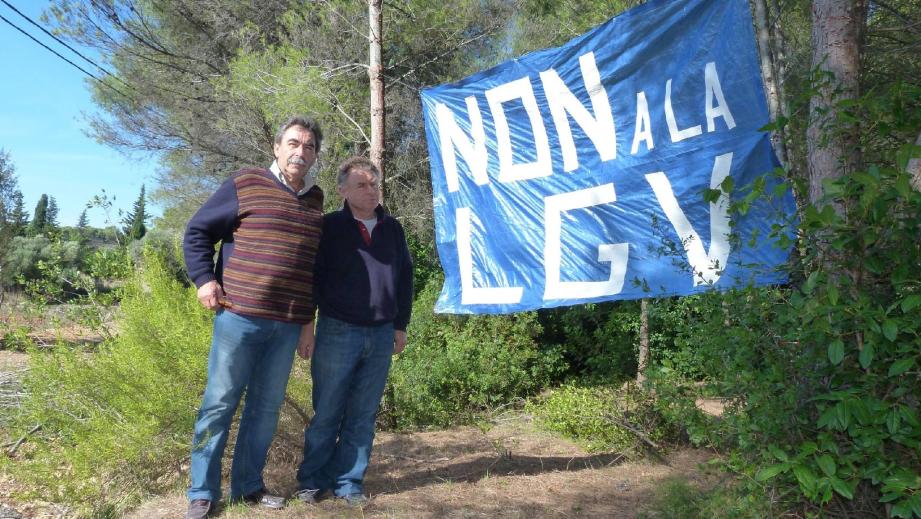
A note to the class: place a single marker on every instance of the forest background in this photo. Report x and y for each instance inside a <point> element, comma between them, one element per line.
<point>820,377</point>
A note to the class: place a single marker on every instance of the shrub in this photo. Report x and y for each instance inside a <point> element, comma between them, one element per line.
<point>455,368</point>
<point>116,424</point>
<point>602,418</point>
<point>822,378</point>
<point>677,497</point>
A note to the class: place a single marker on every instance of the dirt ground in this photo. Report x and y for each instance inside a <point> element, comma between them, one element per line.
<point>506,469</point>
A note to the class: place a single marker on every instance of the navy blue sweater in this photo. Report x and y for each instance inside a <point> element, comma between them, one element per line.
<point>365,285</point>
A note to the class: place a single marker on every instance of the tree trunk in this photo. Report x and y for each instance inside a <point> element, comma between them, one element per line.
<point>767,73</point>
<point>644,342</point>
<point>780,61</point>
<point>837,27</point>
<point>376,75</point>
<point>914,168</point>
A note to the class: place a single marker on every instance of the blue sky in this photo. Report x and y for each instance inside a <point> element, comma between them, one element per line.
<point>42,102</point>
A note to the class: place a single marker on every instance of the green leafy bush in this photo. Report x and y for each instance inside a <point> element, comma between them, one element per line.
<point>602,418</point>
<point>599,341</point>
<point>455,368</point>
<point>822,377</point>
<point>116,423</point>
<point>677,497</point>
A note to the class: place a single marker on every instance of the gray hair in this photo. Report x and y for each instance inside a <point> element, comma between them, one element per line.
<point>361,164</point>
<point>306,123</point>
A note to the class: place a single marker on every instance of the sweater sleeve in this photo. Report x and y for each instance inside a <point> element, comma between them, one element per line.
<point>213,222</point>
<point>404,283</point>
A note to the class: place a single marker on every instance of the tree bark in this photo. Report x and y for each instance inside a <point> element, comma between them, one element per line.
<point>780,51</point>
<point>914,168</point>
<point>837,28</point>
<point>771,89</point>
<point>376,75</point>
<point>644,342</point>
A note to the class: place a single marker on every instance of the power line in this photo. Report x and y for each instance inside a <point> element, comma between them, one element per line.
<point>78,67</point>
<point>64,43</point>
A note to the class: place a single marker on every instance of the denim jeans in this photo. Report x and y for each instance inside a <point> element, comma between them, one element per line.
<point>349,369</point>
<point>248,353</point>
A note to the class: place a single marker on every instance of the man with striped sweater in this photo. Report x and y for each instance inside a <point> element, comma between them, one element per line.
<point>268,222</point>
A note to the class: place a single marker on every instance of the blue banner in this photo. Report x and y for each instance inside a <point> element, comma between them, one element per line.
<point>578,174</point>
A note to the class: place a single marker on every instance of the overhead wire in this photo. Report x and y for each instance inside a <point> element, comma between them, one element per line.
<point>56,53</point>
<point>65,44</point>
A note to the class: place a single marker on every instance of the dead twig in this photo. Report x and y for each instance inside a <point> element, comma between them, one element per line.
<point>297,409</point>
<point>636,432</point>
<point>15,445</point>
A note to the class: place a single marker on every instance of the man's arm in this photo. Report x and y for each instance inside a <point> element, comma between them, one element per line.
<point>306,341</point>
<point>404,293</point>
<point>213,222</point>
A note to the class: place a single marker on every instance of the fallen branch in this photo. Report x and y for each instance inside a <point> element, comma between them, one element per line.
<point>297,409</point>
<point>639,434</point>
<point>15,445</point>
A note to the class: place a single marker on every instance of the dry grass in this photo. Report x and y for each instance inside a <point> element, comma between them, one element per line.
<point>511,470</point>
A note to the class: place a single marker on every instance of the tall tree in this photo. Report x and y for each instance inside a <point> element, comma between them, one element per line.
<point>7,186</point>
<point>19,218</point>
<point>136,220</point>
<point>83,220</point>
<point>837,31</point>
<point>8,198</point>
<point>40,217</point>
<point>51,217</point>
<point>376,75</point>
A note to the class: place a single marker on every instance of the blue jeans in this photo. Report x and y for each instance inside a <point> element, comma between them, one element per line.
<point>248,353</point>
<point>349,369</point>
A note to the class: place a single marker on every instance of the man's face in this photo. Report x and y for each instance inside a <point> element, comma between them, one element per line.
<point>361,190</point>
<point>296,152</point>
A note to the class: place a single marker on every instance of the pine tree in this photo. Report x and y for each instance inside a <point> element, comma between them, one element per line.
<point>40,217</point>
<point>83,221</point>
<point>51,217</point>
<point>135,221</point>
<point>18,219</point>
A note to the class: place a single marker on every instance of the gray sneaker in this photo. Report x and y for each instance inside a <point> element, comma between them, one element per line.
<point>308,495</point>
<point>357,500</point>
<point>198,509</point>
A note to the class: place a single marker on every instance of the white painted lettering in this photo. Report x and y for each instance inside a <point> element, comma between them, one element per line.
<point>473,149</point>
<point>471,295</point>
<point>508,170</point>
<point>599,128</point>
<point>643,130</point>
<point>673,131</point>
<point>707,266</point>
<point>614,253</point>
<point>712,82</point>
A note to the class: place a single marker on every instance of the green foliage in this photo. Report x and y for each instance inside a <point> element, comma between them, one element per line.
<point>116,424</point>
<point>456,368</point>
<point>600,417</point>
<point>425,262</point>
<point>40,218</point>
<point>167,245</point>
<point>49,261</point>
<point>677,497</point>
<point>136,220</point>
<point>822,378</point>
<point>600,341</point>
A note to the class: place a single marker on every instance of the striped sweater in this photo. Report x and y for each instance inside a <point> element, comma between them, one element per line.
<point>269,238</point>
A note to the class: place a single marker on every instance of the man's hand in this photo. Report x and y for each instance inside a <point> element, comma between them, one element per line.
<point>306,341</point>
<point>210,295</point>
<point>399,341</point>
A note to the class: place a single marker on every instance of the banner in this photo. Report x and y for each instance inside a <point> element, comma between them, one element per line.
<point>605,169</point>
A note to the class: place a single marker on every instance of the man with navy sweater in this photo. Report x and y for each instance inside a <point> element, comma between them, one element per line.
<point>364,290</point>
<point>268,222</point>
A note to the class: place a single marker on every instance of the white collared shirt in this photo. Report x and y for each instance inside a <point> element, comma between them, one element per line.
<point>308,179</point>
